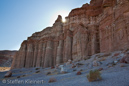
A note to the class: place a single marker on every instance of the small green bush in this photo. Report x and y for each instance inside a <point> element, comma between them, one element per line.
<point>94,76</point>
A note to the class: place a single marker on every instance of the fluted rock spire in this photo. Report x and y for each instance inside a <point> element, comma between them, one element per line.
<point>59,19</point>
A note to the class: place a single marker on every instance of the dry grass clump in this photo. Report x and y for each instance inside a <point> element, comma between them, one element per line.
<point>94,76</point>
<point>64,72</point>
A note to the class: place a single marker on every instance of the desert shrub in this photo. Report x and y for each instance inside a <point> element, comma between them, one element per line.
<point>74,70</point>
<point>37,68</point>
<point>94,75</point>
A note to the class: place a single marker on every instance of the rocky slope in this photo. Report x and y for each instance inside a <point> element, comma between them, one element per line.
<point>6,58</point>
<point>101,26</point>
<point>113,73</point>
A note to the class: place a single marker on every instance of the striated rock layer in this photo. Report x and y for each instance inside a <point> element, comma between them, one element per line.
<point>6,57</point>
<point>101,26</point>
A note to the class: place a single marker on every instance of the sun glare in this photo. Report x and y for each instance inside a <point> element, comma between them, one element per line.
<point>63,19</point>
<point>63,13</point>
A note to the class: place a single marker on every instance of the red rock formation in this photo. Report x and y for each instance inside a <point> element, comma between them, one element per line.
<point>101,26</point>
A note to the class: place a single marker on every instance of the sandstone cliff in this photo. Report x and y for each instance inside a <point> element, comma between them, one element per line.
<point>101,26</point>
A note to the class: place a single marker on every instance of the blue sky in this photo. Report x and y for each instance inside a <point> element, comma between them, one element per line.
<point>19,19</point>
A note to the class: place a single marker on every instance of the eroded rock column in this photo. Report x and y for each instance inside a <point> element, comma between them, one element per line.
<point>68,46</point>
<point>39,57</point>
<point>22,55</point>
<point>29,56</point>
<point>43,54</point>
<point>35,54</point>
<point>48,54</point>
<point>59,58</point>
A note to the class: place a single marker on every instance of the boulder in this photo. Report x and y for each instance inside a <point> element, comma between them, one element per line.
<point>57,66</point>
<point>8,74</point>
<point>48,73</point>
<point>116,54</point>
<point>122,65</point>
<point>52,80</point>
<point>69,62</point>
<point>73,66</point>
<point>90,65</point>
<point>79,73</point>
<point>125,59</point>
<point>96,63</point>
<point>63,70</point>
<point>115,62</point>
<point>100,69</point>
<point>74,69</point>
<point>52,67</point>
